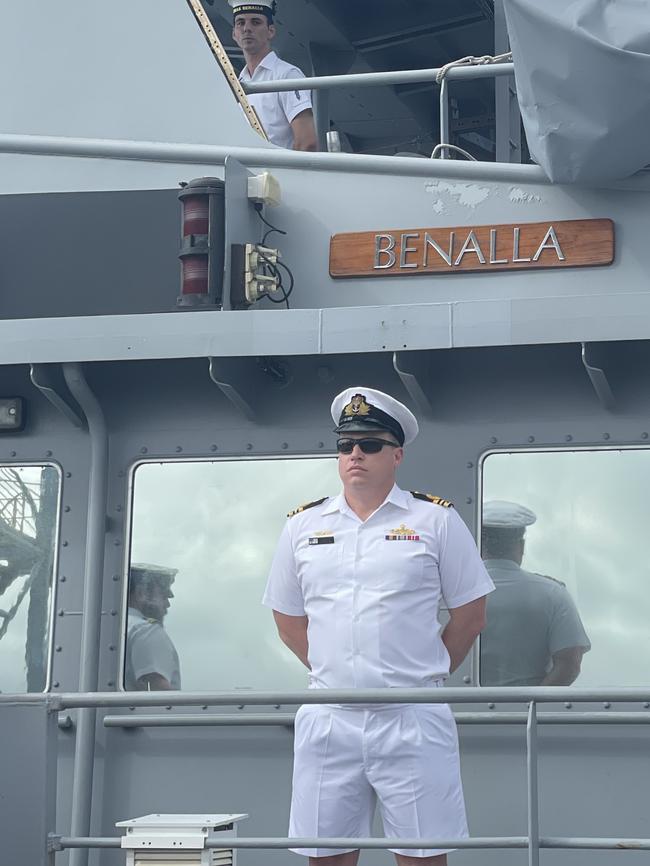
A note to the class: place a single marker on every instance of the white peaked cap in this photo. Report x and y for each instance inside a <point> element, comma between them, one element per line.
<point>507,515</point>
<point>362,409</point>
<point>242,7</point>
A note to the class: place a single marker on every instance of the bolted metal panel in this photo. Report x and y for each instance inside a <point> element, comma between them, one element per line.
<point>27,782</point>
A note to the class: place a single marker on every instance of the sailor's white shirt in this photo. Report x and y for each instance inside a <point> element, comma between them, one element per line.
<point>372,590</point>
<point>277,110</point>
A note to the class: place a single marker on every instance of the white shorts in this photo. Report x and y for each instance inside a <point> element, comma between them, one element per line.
<point>405,756</point>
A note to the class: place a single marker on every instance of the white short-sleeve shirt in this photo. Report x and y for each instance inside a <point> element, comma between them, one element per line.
<point>372,589</point>
<point>149,650</point>
<point>530,618</point>
<point>277,110</point>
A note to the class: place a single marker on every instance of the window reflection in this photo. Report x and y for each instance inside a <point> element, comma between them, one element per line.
<point>571,600</point>
<point>29,499</point>
<point>152,661</point>
<point>203,536</point>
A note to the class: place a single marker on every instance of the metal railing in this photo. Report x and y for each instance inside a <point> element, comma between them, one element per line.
<point>446,695</point>
<point>286,720</point>
<point>533,696</point>
<point>378,79</point>
<point>438,75</point>
<point>478,843</point>
<point>215,154</point>
<point>268,157</point>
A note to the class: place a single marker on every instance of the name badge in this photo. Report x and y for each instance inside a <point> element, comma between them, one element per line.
<point>322,539</point>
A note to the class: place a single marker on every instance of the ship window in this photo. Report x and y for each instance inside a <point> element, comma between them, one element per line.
<point>572,599</point>
<point>203,536</point>
<point>29,507</point>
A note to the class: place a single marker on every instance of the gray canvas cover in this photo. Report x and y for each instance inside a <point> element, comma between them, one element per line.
<point>582,70</point>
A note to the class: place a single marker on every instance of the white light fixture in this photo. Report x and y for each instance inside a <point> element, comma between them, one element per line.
<point>264,189</point>
<point>180,840</point>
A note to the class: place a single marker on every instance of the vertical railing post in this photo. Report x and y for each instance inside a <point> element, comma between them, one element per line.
<point>533,792</point>
<point>444,117</point>
<point>84,756</point>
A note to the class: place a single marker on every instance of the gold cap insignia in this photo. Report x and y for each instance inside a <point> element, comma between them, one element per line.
<point>357,406</point>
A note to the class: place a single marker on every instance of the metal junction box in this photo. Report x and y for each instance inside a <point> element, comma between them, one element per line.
<point>180,840</point>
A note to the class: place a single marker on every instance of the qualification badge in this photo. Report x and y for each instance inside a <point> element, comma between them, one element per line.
<point>402,533</point>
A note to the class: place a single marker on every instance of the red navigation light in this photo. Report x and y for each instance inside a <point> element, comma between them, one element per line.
<point>196,215</point>
<point>195,277</point>
<point>202,243</point>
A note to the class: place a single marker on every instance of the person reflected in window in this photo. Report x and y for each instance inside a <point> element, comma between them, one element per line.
<point>287,118</point>
<point>152,662</point>
<point>534,635</point>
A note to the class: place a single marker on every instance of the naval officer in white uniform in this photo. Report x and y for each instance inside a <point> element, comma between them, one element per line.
<point>534,635</point>
<point>355,587</point>
<point>287,118</point>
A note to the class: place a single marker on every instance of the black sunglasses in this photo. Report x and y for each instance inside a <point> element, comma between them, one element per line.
<point>368,446</point>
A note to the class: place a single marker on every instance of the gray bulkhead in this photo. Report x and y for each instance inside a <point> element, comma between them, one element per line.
<point>490,361</point>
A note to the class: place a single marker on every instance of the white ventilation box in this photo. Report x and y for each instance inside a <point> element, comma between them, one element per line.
<point>180,840</point>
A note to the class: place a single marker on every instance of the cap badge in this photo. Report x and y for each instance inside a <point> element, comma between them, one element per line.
<point>357,406</point>
<point>402,533</point>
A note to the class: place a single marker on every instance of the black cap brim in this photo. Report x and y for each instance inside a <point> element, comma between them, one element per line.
<point>369,425</point>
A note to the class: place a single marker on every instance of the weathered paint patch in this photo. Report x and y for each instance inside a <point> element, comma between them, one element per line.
<point>519,196</point>
<point>466,194</point>
<point>439,206</point>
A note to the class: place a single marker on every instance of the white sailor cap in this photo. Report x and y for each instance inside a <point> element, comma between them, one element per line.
<point>499,514</point>
<point>147,573</point>
<point>363,410</point>
<point>263,7</point>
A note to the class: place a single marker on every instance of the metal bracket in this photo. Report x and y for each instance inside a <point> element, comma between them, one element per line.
<point>243,226</point>
<point>239,379</point>
<point>53,703</point>
<point>410,368</point>
<point>598,377</point>
<point>43,378</point>
<point>54,843</point>
<point>65,722</point>
<point>235,378</point>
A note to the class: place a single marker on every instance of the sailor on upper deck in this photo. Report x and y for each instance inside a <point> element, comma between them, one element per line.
<point>287,117</point>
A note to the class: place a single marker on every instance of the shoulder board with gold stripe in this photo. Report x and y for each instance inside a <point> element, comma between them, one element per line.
<point>306,506</point>
<point>436,500</point>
